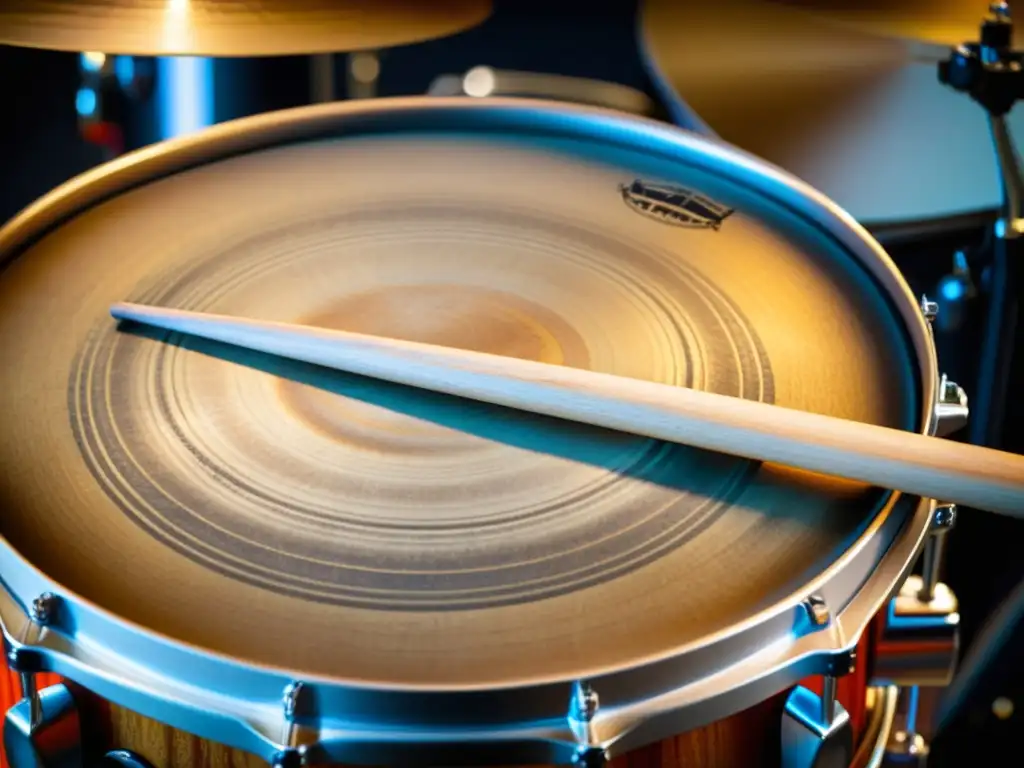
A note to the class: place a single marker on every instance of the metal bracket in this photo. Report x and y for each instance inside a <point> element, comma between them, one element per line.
<point>816,730</point>
<point>951,408</point>
<point>919,643</point>
<point>43,730</point>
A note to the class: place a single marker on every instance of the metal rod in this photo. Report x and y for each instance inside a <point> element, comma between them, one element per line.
<point>31,692</point>
<point>931,566</point>
<point>999,341</point>
<point>828,700</point>
<point>1009,173</point>
<point>913,697</point>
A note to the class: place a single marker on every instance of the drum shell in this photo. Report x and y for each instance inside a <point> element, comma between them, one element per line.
<point>747,739</point>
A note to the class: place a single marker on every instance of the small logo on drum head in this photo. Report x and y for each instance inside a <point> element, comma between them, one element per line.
<point>674,205</point>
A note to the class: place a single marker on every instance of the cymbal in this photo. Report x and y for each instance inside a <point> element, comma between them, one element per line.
<point>859,116</point>
<point>942,22</point>
<point>230,27</point>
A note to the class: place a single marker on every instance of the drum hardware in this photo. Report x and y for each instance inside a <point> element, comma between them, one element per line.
<point>42,730</point>
<point>951,403</point>
<point>583,708</point>
<point>292,703</point>
<point>918,643</point>
<point>816,730</point>
<point>906,746</point>
<point>991,73</point>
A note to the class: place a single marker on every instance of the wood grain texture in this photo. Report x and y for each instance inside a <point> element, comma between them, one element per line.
<point>916,464</point>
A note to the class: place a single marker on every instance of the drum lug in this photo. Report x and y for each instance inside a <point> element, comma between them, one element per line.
<point>816,730</point>
<point>294,702</point>
<point>929,309</point>
<point>951,408</point>
<point>43,730</point>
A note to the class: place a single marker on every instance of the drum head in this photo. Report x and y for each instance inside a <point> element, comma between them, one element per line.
<point>290,516</point>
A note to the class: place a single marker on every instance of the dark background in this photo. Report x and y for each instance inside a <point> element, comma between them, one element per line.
<point>40,147</point>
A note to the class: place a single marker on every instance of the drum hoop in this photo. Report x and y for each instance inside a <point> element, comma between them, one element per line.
<point>651,698</point>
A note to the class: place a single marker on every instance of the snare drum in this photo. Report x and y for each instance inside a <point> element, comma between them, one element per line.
<point>230,553</point>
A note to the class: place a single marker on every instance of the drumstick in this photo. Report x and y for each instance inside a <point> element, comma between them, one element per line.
<point>888,458</point>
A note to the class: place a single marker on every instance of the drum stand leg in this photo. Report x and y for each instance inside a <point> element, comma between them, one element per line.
<point>992,74</point>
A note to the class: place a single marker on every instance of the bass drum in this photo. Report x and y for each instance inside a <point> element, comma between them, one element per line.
<point>311,567</point>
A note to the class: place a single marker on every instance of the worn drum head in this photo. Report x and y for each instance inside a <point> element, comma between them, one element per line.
<point>353,531</point>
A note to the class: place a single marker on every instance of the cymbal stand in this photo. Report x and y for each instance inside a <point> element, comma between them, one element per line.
<point>992,74</point>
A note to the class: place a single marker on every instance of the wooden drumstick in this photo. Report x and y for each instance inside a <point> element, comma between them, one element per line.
<point>888,458</point>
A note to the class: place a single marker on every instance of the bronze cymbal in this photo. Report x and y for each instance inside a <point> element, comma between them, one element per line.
<point>862,117</point>
<point>941,22</point>
<point>231,27</point>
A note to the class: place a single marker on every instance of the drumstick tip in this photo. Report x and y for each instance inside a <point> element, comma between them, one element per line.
<point>125,310</point>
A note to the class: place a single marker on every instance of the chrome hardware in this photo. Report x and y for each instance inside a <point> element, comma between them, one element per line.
<point>293,754</point>
<point>951,409</point>
<point>44,608</point>
<point>951,406</point>
<point>919,641</point>
<point>929,308</point>
<point>943,520</point>
<point>816,730</point>
<point>43,730</point>
<point>582,711</point>
<point>906,746</point>
<point>290,705</point>
<point>817,611</point>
